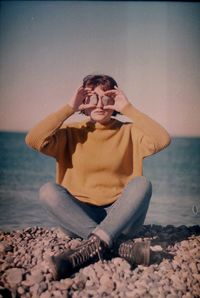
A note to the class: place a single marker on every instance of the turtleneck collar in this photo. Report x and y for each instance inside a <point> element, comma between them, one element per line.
<point>98,125</point>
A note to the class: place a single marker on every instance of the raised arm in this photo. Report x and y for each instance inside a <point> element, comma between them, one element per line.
<point>151,135</point>
<point>46,135</point>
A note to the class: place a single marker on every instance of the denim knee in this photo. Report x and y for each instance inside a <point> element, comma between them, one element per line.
<point>145,185</point>
<point>47,193</point>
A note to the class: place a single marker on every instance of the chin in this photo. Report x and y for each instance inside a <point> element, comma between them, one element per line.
<point>100,118</point>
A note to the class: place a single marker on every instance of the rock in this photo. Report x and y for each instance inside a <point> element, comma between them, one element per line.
<point>20,290</point>
<point>46,294</point>
<point>178,284</point>
<point>156,248</point>
<point>119,284</point>
<point>31,249</point>
<point>34,290</point>
<point>106,282</point>
<point>57,294</point>
<point>187,295</point>
<point>196,277</point>
<point>99,270</point>
<point>74,243</point>
<point>193,267</point>
<point>89,283</point>
<point>2,247</point>
<point>117,261</point>
<point>89,272</point>
<point>154,292</point>
<point>14,276</point>
<point>140,292</point>
<point>65,284</point>
<point>125,266</point>
<point>8,248</point>
<point>35,277</point>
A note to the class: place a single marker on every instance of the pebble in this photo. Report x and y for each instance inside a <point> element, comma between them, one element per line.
<point>46,294</point>
<point>25,273</point>
<point>14,276</point>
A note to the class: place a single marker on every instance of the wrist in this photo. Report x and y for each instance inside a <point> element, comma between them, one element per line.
<point>123,106</point>
<point>72,105</point>
<point>126,107</point>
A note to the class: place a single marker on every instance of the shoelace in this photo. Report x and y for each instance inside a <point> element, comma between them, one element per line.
<point>126,250</point>
<point>89,249</point>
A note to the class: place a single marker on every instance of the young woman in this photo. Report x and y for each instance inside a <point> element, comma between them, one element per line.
<point>100,193</point>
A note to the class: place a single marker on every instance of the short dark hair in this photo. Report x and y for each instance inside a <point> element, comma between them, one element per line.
<point>97,80</point>
<point>104,80</point>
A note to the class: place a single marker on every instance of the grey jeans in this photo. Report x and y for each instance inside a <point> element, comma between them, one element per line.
<point>123,216</point>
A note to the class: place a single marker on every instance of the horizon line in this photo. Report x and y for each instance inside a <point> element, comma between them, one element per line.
<point>171,135</point>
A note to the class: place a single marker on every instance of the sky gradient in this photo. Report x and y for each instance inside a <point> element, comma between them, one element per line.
<point>152,49</point>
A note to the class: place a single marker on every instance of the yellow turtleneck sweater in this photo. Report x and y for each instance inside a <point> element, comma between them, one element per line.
<point>95,161</point>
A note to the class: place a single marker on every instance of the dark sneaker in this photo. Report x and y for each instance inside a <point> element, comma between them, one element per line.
<point>69,262</point>
<point>136,253</point>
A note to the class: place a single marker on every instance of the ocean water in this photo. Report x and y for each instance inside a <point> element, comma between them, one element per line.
<point>174,173</point>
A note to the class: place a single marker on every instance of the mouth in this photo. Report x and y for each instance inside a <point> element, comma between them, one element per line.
<point>99,112</point>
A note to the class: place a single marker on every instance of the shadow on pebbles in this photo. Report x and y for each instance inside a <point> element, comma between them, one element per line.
<point>174,271</point>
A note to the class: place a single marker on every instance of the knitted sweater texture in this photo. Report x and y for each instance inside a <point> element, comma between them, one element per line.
<point>94,162</point>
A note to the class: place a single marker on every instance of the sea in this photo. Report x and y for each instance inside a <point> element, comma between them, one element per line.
<point>174,173</point>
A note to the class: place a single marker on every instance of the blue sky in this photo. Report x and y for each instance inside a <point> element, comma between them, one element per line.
<point>152,49</point>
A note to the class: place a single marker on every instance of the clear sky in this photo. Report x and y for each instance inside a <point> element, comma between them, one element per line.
<point>152,49</point>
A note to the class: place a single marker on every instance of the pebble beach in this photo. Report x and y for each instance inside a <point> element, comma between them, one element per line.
<point>174,270</point>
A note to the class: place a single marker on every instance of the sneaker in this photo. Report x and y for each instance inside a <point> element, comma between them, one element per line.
<point>136,253</point>
<point>70,261</point>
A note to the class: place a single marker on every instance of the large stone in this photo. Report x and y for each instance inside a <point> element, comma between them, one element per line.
<point>14,276</point>
<point>106,282</point>
<point>36,277</point>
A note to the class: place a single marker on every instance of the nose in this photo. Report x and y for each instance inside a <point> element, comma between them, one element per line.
<point>100,103</point>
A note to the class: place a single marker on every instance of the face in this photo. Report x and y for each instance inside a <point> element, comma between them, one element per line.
<point>99,99</point>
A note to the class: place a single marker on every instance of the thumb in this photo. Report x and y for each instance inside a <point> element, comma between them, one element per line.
<point>109,107</point>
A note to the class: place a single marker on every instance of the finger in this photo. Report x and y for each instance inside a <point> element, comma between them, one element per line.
<point>80,89</point>
<point>88,89</point>
<point>81,107</point>
<point>118,89</point>
<point>89,106</point>
<point>109,107</point>
<point>90,93</point>
<point>111,93</point>
<point>86,106</point>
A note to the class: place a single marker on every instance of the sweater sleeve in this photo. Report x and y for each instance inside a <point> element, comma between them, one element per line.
<point>45,136</point>
<point>150,135</point>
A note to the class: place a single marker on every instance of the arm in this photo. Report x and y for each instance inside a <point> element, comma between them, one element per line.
<point>44,136</point>
<point>47,135</point>
<point>150,134</point>
<point>153,136</point>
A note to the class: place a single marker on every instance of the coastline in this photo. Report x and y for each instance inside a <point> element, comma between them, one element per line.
<point>174,272</point>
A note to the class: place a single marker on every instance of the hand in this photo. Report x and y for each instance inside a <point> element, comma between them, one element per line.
<point>119,97</point>
<point>78,101</point>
